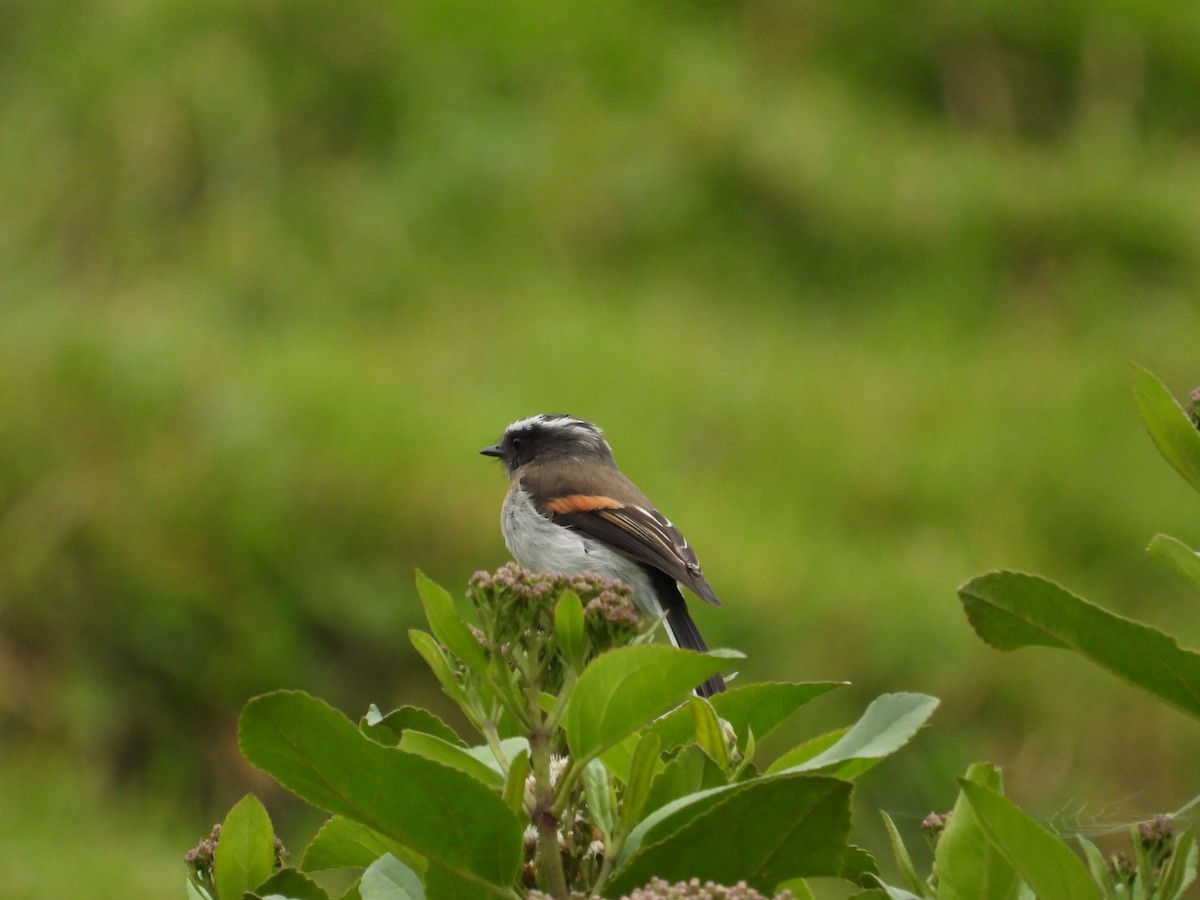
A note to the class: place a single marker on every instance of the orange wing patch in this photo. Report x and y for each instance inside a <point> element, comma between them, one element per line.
<point>575,503</point>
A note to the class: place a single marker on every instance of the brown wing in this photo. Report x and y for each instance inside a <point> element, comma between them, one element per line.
<point>640,532</point>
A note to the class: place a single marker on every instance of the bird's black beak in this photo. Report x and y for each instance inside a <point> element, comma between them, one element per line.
<point>493,450</point>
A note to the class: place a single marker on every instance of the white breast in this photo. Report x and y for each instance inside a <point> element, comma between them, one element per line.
<point>539,545</point>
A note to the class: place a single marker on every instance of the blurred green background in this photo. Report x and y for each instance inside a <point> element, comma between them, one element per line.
<point>850,286</point>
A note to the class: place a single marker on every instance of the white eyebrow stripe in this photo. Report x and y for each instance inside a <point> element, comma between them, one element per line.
<point>549,421</point>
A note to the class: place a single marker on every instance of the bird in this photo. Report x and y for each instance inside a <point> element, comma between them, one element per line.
<point>570,510</point>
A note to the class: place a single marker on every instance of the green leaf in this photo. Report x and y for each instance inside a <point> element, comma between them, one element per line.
<point>514,782</point>
<point>290,884</point>
<point>767,705</point>
<point>509,747</point>
<point>1045,863</point>
<point>568,629</point>
<point>448,626</point>
<point>887,725</point>
<point>245,856</point>
<point>641,776</point>
<point>903,861</point>
<point>619,757</point>
<point>1011,610</point>
<point>798,887</point>
<point>1185,560</point>
<point>859,867</point>
<point>447,754</point>
<point>1098,868</point>
<point>389,879</point>
<point>763,832</point>
<point>969,866</point>
<point>601,801</point>
<point>747,756</point>
<point>435,657</point>
<point>709,735</point>
<point>1170,428</point>
<point>624,689</point>
<point>1180,870</point>
<point>445,884</point>
<point>690,771</point>
<point>762,707</point>
<point>342,842</point>
<point>441,813</point>
<point>387,729</point>
<point>887,891</point>
<point>809,749</point>
<point>1145,869</point>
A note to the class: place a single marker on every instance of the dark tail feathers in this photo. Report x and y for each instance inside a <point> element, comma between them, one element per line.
<point>686,635</point>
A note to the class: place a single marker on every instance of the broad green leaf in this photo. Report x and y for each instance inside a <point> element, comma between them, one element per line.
<point>387,729</point>
<point>714,790</point>
<point>624,689</point>
<point>641,775</point>
<point>445,884</point>
<point>290,884</point>
<point>448,627</point>
<point>1011,610</point>
<point>1185,560</point>
<point>444,815</point>
<point>762,707</point>
<point>709,736</point>
<point>568,629</point>
<point>1044,862</point>
<point>810,749</point>
<point>887,725</point>
<point>969,866</point>
<point>389,879</point>
<point>447,754</point>
<point>514,782</point>
<point>342,842</point>
<point>1170,428</point>
<point>903,861</point>
<point>763,832</point>
<point>245,856</point>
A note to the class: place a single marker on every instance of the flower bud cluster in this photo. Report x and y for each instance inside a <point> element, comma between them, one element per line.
<point>933,825</point>
<point>515,609</point>
<point>200,859</point>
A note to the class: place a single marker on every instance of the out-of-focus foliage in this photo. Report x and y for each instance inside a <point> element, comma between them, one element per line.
<point>850,287</point>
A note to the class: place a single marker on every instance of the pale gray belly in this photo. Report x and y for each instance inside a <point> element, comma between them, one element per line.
<point>539,545</point>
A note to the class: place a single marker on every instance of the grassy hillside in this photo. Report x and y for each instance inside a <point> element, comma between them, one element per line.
<point>851,289</point>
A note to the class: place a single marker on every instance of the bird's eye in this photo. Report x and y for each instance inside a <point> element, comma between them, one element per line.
<point>516,444</point>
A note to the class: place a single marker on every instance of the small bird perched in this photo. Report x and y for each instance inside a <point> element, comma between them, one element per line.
<point>570,510</point>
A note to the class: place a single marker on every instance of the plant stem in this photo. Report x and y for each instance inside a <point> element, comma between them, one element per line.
<point>549,854</point>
